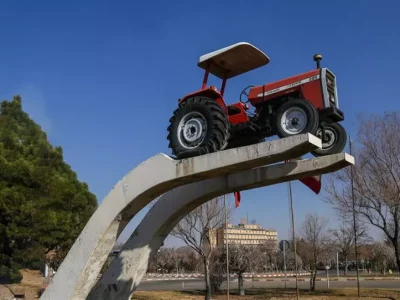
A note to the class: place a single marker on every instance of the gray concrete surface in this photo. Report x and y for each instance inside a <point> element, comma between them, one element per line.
<point>153,177</point>
<point>127,270</point>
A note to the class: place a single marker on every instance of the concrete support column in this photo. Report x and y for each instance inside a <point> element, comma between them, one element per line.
<point>155,176</point>
<point>127,270</point>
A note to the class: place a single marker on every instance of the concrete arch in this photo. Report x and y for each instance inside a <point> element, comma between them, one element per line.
<point>127,270</point>
<point>155,176</point>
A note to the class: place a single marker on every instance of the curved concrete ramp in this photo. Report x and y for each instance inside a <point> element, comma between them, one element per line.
<point>128,268</point>
<point>155,176</point>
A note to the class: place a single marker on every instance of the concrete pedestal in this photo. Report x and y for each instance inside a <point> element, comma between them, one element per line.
<point>155,176</point>
<point>128,268</point>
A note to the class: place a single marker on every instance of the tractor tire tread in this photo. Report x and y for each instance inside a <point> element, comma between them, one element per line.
<point>216,138</point>
<point>339,145</point>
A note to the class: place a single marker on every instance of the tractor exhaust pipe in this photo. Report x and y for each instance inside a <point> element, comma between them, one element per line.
<point>318,58</point>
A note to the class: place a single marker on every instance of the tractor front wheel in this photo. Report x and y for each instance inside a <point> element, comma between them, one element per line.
<point>198,126</point>
<point>296,116</point>
<point>334,141</point>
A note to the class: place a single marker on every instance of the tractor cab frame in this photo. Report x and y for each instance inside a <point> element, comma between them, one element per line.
<point>225,64</point>
<point>231,61</point>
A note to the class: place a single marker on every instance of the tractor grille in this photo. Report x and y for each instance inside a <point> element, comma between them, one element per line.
<point>330,83</point>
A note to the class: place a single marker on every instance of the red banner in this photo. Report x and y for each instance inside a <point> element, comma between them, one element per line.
<point>237,199</point>
<point>312,182</point>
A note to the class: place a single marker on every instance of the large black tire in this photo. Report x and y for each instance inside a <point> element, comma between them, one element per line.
<point>337,139</point>
<point>304,109</point>
<point>206,129</point>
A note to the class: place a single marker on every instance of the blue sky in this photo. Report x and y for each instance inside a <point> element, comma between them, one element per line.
<point>103,77</point>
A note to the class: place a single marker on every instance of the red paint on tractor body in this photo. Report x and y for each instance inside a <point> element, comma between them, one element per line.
<point>210,92</point>
<point>310,90</point>
<point>240,117</point>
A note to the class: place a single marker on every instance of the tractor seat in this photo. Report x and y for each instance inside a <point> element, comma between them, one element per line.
<point>233,110</point>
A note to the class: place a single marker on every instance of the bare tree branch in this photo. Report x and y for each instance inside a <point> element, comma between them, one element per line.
<point>376,178</point>
<point>343,238</point>
<point>197,230</point>
<point>315,243</point>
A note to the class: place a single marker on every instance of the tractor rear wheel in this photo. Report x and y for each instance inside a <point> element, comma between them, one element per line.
<point>198,126</point>
<point>334,142</point>
<point>295,117</point>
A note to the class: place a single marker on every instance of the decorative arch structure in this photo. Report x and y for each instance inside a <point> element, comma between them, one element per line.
<point>160,174</point>
<point>127,270</point>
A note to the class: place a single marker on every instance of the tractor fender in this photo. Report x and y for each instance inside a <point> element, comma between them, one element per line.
<point>209,93</point>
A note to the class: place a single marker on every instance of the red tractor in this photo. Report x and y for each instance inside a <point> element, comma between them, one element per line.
<point>304,103</point>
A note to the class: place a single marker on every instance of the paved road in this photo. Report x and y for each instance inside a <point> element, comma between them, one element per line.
<point>199,284</point>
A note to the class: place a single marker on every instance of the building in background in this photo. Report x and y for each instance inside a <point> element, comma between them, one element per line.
<point>244,234</point>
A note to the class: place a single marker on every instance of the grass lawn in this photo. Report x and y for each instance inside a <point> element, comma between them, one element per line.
<point>276,294</point>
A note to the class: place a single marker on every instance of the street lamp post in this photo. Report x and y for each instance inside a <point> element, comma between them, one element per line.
<point>227,249</point>
<point>354,220</point>
<point>294,239</point>
<point>337,264</point>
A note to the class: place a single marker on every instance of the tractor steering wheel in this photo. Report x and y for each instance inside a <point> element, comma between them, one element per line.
<point>245,93</point>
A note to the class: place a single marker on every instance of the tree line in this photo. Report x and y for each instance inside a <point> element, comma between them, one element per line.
<point>318,246</point>
<point>43,205</point>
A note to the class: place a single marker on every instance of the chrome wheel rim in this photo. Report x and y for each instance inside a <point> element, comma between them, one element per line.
<point>192,130</point>
<point>331,138</point>
<point>294,120</point>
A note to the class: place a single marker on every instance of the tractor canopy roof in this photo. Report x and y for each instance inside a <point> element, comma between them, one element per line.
<point>233,60</point>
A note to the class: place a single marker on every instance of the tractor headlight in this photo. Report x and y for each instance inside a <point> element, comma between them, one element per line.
<point>332,98</point>
<point>328,81</point>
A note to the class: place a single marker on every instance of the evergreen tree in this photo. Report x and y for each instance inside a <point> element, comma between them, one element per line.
<point>43,205</point>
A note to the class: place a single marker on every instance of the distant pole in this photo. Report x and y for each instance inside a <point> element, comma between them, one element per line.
<point>227,248</point>
<point>354,219</point>
<point>284,261</point>
<point>337,264</point>
<point>294,239</point>
<point>327,276</point>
